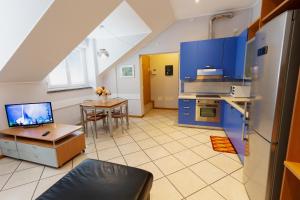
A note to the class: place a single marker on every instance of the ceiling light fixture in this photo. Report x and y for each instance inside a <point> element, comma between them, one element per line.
<point>103,54</point>
<point>197,1</point>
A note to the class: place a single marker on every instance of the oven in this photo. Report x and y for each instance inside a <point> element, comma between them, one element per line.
<point>207,110</point>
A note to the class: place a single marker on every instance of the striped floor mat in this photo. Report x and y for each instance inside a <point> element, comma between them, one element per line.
<point>222,144</point>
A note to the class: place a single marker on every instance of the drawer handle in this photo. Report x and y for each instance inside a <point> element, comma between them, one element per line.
<point>186,107</point>
<point>187,77</point>
<point>186,114</point>
<point>186,100</point>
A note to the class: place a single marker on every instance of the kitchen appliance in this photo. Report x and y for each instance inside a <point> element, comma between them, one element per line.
<point>207,110</point>
<point>209,73</point>
<point>273,90</point>
<point>239,91</point>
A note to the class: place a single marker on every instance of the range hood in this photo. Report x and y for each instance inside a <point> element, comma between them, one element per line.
<point>209,73</point>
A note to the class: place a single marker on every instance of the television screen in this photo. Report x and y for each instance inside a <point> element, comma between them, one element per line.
<point>29,114</point>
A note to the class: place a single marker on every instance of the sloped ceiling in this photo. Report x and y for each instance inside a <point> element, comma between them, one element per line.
<point>65,24</point>
<point>184,9</point>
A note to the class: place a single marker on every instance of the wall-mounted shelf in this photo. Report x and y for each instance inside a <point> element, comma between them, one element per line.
<point>293,167</point>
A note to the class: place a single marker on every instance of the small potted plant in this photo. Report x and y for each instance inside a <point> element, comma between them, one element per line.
<point>103,92</point>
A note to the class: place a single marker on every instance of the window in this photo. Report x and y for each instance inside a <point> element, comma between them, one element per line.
<point>71,73</point>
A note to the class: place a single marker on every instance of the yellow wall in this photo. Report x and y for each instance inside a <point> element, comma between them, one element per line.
<point>164,89</point>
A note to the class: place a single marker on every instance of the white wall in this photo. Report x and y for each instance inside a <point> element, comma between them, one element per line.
<point>17,19</point>
<point>169,41</point>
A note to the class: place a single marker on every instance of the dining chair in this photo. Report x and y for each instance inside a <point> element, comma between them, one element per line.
<point>92,115</point>
<point>119,114</point>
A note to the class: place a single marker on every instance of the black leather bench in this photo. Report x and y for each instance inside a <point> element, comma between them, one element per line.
<point>99,180</point>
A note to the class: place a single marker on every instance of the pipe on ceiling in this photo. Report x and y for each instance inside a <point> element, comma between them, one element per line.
<point>213,18</point>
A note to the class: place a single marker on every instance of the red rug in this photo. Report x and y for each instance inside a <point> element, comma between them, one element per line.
<point>222,144</point>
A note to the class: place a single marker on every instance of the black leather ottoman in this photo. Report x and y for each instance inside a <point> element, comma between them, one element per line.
<point>99,180</point>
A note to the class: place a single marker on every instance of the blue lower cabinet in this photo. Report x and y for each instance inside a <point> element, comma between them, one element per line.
<point>186,111</point>
<point>233,124</point>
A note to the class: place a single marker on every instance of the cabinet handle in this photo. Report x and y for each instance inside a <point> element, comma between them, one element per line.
<point>186,100</point>
<point>186,114</point>
<point>186,107</point>
<point>187,77</point>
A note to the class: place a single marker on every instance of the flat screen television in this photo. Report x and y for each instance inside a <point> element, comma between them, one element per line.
<point>29,114</point>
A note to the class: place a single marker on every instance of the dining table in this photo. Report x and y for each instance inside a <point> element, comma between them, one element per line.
<point>106,105</point>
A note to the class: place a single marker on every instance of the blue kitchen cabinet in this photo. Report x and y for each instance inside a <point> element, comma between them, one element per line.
<point>233,124</point>
<point>210,53</point>
<point>240,55</point>
<point>186,111</point>
<point>229,57</point>
<point>188,61</point>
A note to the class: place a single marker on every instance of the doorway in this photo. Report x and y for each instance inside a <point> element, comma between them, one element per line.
<point>160,80</point>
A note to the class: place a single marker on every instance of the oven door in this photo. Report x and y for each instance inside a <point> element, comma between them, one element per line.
<point>207,113</point>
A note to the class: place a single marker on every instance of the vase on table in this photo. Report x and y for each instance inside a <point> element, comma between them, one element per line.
<point>104,98</point>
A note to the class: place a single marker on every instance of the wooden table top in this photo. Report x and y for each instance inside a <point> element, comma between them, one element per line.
<point>57,131</point>
<point>104,103</point>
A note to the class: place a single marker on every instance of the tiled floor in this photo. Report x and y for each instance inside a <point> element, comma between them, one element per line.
<point>181,159</point>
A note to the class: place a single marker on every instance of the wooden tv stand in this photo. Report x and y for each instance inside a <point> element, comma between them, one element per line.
<point>59,146</point>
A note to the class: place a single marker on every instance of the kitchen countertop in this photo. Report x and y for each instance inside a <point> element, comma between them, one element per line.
<point>226,97</point>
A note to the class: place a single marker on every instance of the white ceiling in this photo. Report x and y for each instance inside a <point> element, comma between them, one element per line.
<point>184,9</point>
<point>123,21</point>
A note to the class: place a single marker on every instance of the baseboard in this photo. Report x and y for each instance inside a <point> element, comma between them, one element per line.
<point>204,127</point>
<point>136,116</point>
<point>165,108</point>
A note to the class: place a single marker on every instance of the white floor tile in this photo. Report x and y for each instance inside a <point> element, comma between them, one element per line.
<point>206,194</point>
<point>169,165</point>
<point>129,148</point>
<point>186,182</point>
<point>187,157</point>
<point>231,189</point>
<point>51,171</point>
<point>156,152</point>
<point>207,172</point>
<point>3,179</point>
<point>140,136</point>
<point>238,175</point>
<point>107,154</point>
<point>106,144</point>
<point>226,164</point>
<point>148,143</point>
<point>151,167</point>
<point>174,147</point>
<point>23,192</point>
<point>26,165</point>
<point>189,142</point>
<point>201,138</point>
<point>162,189</point>
<point>23,177</point>
<point>45,184</point>
<point>163,139</point>
<point>177,135</point>
<point>123,140</point>
<point>8,166</point>
<point>204,151</point>
<point>78,159</point>
<point>119,160</point>
<point>136,158</point>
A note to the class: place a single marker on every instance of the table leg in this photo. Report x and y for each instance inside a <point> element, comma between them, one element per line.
<point>127,118</point>
<point>110,122</point>
<point>82,120</point>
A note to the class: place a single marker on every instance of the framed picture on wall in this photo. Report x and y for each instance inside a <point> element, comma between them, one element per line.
<point>127,71</point>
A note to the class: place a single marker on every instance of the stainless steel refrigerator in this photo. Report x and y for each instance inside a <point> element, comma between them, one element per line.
<point>274,77</point>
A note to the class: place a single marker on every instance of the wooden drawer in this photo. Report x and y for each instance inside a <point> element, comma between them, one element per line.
<point>46,156</point>
<point>8,144</point>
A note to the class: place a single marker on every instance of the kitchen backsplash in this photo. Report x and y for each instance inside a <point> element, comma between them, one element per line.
<point>208,87</point>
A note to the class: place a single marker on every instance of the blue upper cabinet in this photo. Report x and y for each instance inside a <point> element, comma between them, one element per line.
<point>240,54</point>
<point>188,61</point>
<point>224,53</point>
<point>229,57</point>
<point>210,53</point>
